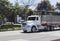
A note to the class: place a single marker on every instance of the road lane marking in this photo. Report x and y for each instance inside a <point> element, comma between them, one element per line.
<point>19,40</point>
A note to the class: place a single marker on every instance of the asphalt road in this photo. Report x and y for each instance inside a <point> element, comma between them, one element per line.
<point>20,36</point>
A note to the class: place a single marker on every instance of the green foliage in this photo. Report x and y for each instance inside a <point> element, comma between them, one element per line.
<point>35,12</point>
<point>5,8</point>
<point>9,11</point>
<point>29,12</point>
<point>45,5</point>
<point>58,6</point>
<point>10,27</point>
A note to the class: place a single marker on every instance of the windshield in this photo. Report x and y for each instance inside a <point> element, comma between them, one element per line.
<point>31,18</point>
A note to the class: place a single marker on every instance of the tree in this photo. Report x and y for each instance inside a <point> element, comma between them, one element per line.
<point>45,6</point>
<point>58,6</point>
<point>18,9</point>
<point>27,4</point>
<point>9,11</point>
<point>4,8</point>
<point>14,11</point>
<point>29,12</point>
<point>35,12</point>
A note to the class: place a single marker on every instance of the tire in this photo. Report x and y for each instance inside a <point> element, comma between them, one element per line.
<point>50,28</point>
<point>25,31</point>
<point>33,29</point>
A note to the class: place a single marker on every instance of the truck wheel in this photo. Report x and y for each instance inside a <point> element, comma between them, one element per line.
<point>53,28</point>
<point>50,28</point>
<point>24,31</point>
<point>33,29</point>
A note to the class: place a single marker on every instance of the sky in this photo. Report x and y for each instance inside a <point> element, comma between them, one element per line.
<point>53,2</point>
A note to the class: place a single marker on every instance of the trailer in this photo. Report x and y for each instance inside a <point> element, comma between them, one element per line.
<point>41,22</point>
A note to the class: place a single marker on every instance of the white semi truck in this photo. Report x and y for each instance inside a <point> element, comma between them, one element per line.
<point>41,22</point>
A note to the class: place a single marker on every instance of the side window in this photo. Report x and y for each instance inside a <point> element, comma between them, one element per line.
<point>37,18</point>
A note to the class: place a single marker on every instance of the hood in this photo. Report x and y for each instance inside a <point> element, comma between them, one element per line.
<point>30,22</point>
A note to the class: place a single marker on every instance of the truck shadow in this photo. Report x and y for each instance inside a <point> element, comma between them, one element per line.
<point>50,30</point>
<point>42,31</point>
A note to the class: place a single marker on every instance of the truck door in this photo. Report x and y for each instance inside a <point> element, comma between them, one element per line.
<point>38,22</point>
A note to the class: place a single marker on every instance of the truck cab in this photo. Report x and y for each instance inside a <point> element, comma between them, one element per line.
<point>32,24</point>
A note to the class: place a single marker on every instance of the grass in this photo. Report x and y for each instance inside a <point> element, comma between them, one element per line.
<point>10,27</point>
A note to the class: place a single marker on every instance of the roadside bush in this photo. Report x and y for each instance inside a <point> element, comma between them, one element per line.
<point>10,27</point>
<point>8,23</point>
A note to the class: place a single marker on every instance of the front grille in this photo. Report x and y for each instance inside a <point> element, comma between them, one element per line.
<point>23,24</point>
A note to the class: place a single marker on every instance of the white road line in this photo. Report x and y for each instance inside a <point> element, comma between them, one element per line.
<point>19,40</point>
